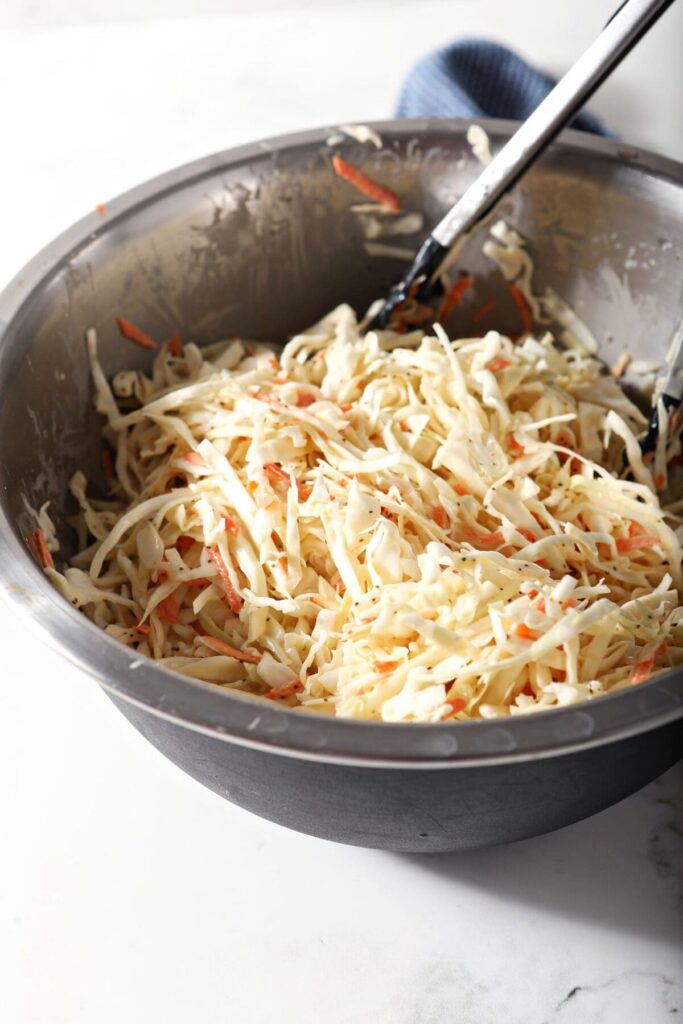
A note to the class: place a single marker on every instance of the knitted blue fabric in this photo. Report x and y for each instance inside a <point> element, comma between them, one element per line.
<point>477,78</point>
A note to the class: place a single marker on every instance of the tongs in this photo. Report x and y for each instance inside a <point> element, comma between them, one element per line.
<point>626,26</point>
<point>421,281</point>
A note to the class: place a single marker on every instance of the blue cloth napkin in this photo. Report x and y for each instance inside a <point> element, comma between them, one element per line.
<point>478,78</point>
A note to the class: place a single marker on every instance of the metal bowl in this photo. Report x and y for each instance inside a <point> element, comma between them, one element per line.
<point>261,241</point>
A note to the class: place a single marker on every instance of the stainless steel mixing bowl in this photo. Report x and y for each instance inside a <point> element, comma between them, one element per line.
<point>261,241</point>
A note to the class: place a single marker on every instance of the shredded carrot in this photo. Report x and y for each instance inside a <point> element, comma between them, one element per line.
<point>303,491</point>
<point>571,603</point>
<point>497,364</point>
<point>347,407</point>
<point>231,525</point>
<point>39,549</point>
<point>174,346</point>
<point>643,670</point>
<point>484,310</point>
<point>515,446</point>
<point>276,473</point>
<point>144,628</point>
<point>235,602</point>
<point>304,398</point>
<point>194,458</point>
<point>493,537</point>
<point>133,333</point>
<point>386,666</point>
<point>340,587</point>
<point>540,605</point>
<point>525,633</point>
<point>107,463</point>
<point>453,296</point>
<point>372,189</point>
<point>527,534</point>
<point>273,363</point>
<point>220,647</point>
<point>440,516</point>
<point>283,692</point>
<point>625,544</point>
<point>168,609</point>
<point>460,491</point>
<point>522,307</point>
<point>100,207</point>
<point>184,542</point>
<point>200,581</point>
<point>660,480</point>
<point>457,703</point>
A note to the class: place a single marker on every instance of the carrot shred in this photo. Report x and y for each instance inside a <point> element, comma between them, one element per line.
<point>235,602</point>
<point>169,609</point>
<point>493,537</point>
<point>174,344</point>
<point>133,333</point>
<point>522,307</point>
<point>497,364</point>
<point>273,363</point>
<point>540,605</point>
<point>39,549</point>
<point>303,491</point>
<point>484,310</point>
<point>184,542</point>
<point>625,544</point>
<point>643,670</point>
<point>571,603</point>
<point>194,458</point>
<point>144,628</point>
<point>440,516</point>
<point>457,703</point>
<point>515,446</point>
<point>283,692</point>
<point>346,407</point>
<point>453,296</point>
<point>100,207</point>
<point>386,666</point>
<point>304,398</point>
<point>527,534</point>
<point>525,633</point>
<point>220,647</point>
<point>660,480</point>
<point>460,491</point>
<point>276,473</point>
<point>340,587</point>
<point>372,189</point>
<point>231,525</point>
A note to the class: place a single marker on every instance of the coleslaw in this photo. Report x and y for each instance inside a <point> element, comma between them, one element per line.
<point>390,525</point>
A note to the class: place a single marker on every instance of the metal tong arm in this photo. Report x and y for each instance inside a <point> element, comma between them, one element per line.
<point>629,23</point>
<point>619,35</point>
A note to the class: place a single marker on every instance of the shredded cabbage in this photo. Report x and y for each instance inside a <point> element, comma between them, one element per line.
<point>382,526</point>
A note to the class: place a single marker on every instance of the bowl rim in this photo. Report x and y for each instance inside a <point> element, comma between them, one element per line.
<point>252,722</point>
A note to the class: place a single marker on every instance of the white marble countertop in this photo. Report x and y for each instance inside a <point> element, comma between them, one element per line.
<point>128,892</point>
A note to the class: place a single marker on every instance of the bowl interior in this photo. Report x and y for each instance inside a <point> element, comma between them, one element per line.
<point>262,241</point>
